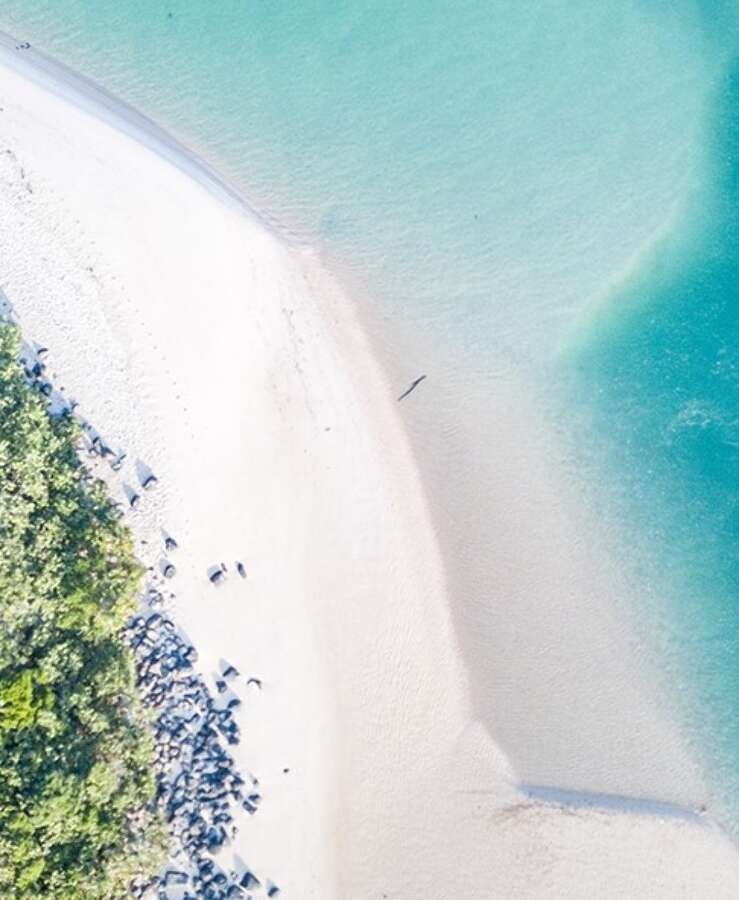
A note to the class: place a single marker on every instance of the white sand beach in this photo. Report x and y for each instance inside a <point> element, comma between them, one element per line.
<point>231,364</point>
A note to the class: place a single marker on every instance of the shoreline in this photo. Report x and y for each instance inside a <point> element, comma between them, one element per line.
<point>616,804</point>
<point>126,324</point>
<point>75,88</point>
<point>353,628</point>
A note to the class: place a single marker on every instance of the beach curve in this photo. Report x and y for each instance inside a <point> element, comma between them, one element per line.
<point>236,369</point>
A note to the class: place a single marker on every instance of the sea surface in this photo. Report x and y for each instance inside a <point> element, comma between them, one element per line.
<point>549,189</point>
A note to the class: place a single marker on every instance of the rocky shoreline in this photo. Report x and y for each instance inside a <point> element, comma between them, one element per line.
<point>198,786</point>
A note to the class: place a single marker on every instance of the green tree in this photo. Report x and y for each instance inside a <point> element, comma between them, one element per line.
<point>76,791</point>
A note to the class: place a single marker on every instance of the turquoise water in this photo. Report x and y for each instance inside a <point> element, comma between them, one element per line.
<point>508,158</point>
<point>552,184</point>
<point>657,385</point>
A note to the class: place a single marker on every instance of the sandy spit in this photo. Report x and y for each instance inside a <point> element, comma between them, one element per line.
<point>236,370</point>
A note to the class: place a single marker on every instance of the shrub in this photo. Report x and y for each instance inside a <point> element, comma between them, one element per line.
<point>76,789</point>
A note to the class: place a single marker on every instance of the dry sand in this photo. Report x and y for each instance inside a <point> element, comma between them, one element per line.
<point>229,363</point>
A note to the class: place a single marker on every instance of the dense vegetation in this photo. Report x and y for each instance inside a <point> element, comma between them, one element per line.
<point>75,774</point>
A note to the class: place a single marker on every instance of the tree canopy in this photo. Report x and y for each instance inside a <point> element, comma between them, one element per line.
<point>76,789</point>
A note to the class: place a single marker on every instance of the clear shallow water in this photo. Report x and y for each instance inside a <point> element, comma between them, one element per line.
<point>546,187</point>
<point>506,159</point>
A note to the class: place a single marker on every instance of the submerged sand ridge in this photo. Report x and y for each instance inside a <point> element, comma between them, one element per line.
<point>195,339</point>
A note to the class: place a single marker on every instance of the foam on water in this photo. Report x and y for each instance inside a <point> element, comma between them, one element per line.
<point>546,189</point>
